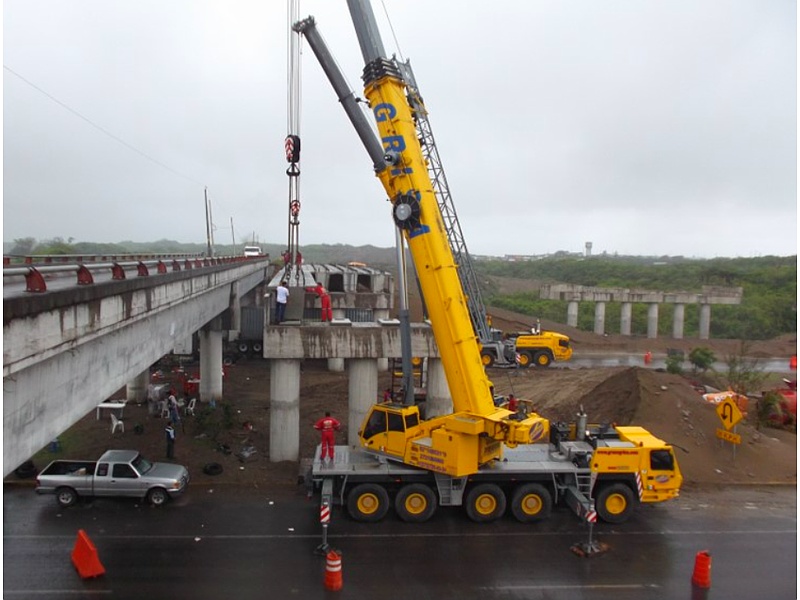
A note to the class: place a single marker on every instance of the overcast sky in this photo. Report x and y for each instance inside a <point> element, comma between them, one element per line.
<point>658,127</point>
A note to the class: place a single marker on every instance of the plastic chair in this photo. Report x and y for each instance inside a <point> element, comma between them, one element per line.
<point>190,407</point>
<point>115,422</point>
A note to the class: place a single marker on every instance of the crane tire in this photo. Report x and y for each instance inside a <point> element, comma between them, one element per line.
<point>524,359</point>
<point>487,358</point>
<point>531,502</point>
<point>415,503</point>
<point>542,358</point>
<point>486,502</point>
<point>615,503</point>
<point>368,502</point>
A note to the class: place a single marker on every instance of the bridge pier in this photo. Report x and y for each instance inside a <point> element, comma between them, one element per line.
<point>362,386</point>
<point>438,400</point>
<point>572,313</point>
<point>677,321</point>
<point>626,310</point>
<point>284,410</point>
<point>705,321</point>
<point>652,320</point>
<point>600,318</point>
<point>211,362</point>
<point>136,390</point>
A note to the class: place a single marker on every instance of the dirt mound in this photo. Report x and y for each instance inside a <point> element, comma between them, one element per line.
<point>668,407</point>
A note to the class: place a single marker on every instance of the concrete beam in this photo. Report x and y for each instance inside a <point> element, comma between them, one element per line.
<point>359,340</point>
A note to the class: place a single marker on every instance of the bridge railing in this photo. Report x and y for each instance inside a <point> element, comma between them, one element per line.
<point>34,267</point>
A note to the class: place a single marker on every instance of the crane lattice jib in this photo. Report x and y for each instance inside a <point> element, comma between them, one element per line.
<point>466,271</point>
<point>416,211</point>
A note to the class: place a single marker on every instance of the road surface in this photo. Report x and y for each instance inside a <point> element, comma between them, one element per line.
<point>231,543</point>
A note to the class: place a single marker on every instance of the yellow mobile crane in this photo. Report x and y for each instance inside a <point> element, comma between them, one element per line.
<point>482,453</point>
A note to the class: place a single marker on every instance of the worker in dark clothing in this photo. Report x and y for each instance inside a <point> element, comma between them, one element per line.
<point>327,425</point>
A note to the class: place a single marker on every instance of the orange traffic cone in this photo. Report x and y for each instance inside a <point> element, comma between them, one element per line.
<point>702,570</point>
<point>333,571</point>
<point>84,557</point>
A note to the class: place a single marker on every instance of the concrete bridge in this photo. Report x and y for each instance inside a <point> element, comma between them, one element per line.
<point>66,350</point>
<point>574,294</point>
<point>71,343</point>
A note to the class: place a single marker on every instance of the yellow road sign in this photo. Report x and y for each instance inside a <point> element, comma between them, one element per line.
<point>733,438</point>
<point>729,413</point>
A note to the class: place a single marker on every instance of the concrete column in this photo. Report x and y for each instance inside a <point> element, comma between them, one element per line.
<point>284,410</point>
<point>599,318</point>
<point>572,313</point>
<point>382,313</point>
<point>336,364</point>
<point>625,318</point>
<point>705,321</point>
<point>677,321</point>
<point>362,382</point>
<point>652,320</point>
<point>438,399</point>
<point>211,362</point>
<point>136,390</point>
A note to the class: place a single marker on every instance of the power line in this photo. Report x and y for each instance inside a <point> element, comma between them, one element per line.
<point>99,128</point>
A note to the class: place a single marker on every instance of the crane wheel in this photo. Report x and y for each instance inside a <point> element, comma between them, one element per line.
<point>487,359</point>
<point>542,358</point>
<point>368,502</point>
<point>615,503</point>
<point>486,502</point>
<point>524,359</point>
<point>531,502</point>
<point>415,503</point>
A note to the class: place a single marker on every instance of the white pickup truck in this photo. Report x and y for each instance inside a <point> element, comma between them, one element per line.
<point>117,473</point>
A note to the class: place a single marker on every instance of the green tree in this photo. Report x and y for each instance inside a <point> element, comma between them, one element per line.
<point>744,374</point>
<point>674,364</point>
<point>23,246</point>
<point>702,359</point>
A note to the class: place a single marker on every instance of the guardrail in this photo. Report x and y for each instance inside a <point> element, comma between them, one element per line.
<point>33,268</point>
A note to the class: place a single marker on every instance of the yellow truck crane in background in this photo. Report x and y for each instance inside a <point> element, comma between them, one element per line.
<point>482,455</point>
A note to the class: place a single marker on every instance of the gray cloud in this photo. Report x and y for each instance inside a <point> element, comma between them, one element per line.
<point>647,127</point>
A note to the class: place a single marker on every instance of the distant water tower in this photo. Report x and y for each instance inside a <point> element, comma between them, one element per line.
<point>588,249</point>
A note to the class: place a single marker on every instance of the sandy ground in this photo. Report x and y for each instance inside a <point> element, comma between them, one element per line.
<point>665,404</point>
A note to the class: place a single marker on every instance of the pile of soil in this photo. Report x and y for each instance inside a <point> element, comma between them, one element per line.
<point>665,404</point>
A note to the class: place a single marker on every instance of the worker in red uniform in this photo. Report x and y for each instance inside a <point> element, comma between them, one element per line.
<point>327,425</point>
<point>324,301</point>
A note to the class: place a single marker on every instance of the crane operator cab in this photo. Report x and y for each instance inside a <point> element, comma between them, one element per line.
<point>456,444</point>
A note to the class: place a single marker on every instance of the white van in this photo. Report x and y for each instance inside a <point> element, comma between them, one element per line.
<point>252,251</point>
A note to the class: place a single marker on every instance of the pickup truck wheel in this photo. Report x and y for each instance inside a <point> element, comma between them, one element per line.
<point>542,359</point>
<point>157,496</point>
<point>531,502</point>
<point>66,496</point>
<point>415,503</point>
<point>615,503</point>
<point>486,502</point>
<point>487,358</point>
<point>368,502</point>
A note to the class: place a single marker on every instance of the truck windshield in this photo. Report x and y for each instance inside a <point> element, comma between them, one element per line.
<point>142,465</point>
